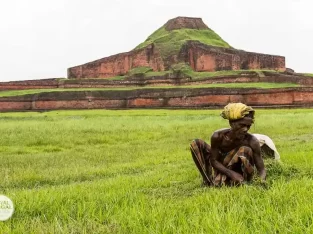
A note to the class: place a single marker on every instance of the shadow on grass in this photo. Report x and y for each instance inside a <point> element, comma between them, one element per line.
<point>276,171</point>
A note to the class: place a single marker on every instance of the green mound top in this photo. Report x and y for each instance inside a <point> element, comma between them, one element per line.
<point>170,38</point>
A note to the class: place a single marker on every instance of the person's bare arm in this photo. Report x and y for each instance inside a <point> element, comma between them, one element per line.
<point>258,160</point>
<point>215,143</point>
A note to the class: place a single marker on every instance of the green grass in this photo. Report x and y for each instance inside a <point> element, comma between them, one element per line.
<point>139,70</point>
<point>264,85</point>
<point>116,78</point>
<point>131,172</point>
<point>187,70</point>
<point>201,75</point>
<point>307,74</point>
<point>160,73</point>
<point>261,85</point>
<point>170,42</point>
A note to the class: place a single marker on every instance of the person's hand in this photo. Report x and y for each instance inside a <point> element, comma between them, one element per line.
<point>236,177</point>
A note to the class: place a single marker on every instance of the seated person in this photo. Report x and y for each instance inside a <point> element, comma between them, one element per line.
<point>233,153</point>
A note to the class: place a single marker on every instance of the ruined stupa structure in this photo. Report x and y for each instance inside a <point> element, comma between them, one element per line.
<point>181,40</point>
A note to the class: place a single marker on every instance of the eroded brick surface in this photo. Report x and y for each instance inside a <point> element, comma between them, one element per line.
<point>210,58</point>
<point>159,98</point>
<point>119,64</point>
<point>199,56</point>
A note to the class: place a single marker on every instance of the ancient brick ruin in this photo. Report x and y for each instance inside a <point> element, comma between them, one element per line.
<point>119,64</point>
<point>209,58</point>
<point>176,97</point>
<point>159,98</point>
<point>199,56</point>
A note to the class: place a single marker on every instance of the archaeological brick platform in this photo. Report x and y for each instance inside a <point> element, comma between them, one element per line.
<point>166,80</point>
<point>199,56</point>
<point>159,98</point>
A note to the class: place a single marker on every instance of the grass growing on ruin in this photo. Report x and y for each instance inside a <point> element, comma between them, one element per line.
<point>116,78</point>
<point>11,93</point>
<point>187,70</point>
<point>131,172</point>
<point>139,70</point>
<point>160,73</point>
<point>307,74</point>
<point>200,75</point>
<point>261,85</point>
<point>170,42</point>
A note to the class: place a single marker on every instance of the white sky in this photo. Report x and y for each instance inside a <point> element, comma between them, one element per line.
<point>42,38</point>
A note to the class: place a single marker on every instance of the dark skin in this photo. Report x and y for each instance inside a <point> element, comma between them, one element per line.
<point>225,140</point>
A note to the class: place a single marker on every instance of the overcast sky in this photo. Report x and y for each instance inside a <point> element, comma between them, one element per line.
<point>42,38</point>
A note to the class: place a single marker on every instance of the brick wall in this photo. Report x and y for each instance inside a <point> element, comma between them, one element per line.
<point>159,98</point>
<point>119,64</point>
<point>156,81</point>
<point>30,84</point>
<point>209,58</point>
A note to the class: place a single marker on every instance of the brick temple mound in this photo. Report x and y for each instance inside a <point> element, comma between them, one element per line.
<point>182,55</point>
<point>200,55</point>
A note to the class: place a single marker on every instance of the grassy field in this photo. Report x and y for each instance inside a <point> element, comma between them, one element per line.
<point>262,85</point>
<point>131,171</point>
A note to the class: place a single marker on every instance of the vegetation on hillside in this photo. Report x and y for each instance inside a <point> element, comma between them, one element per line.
<point>170,42</point>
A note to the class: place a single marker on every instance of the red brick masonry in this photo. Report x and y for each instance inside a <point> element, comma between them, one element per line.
<point>159,98</point>
<point>154,81</point>
<point>209,58</point>
<point>199,56</point>
<point>119,64</point>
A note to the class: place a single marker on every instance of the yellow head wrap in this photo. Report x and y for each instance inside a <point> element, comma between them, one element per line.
<point>234,111</point>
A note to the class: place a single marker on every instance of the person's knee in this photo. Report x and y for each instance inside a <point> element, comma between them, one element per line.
<point>198,142</point>
<point>194,141</point>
